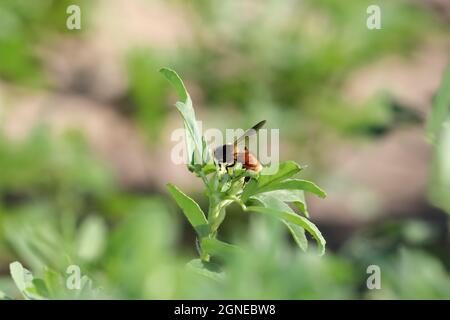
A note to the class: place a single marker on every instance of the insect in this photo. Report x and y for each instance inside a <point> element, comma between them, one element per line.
<point>229,154</point>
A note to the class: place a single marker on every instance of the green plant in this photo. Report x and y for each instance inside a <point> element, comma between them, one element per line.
<point>260,193</point>
<point>438,132</point>
<point>51,285</point>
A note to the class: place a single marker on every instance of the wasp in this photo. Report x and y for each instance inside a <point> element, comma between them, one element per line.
<point>229,154</point>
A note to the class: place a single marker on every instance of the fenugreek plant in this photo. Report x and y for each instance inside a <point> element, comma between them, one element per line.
<point>275,194</point>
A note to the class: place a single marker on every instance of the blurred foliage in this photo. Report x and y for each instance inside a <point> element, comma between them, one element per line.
<point>23,26</point>
<point>285,61</point>
<point>439,134</point>
<point>47,184</point>
<point>53,192</point>
<point>148,93</point>
<point>142,262</point>
<point>410,267</point>
<point>294,56</point>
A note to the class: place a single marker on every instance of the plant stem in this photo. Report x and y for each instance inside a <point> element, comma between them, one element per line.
<point>205,180</point>
<point>216,209</point>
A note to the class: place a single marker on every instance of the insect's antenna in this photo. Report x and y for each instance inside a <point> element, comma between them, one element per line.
<point>250,132</point>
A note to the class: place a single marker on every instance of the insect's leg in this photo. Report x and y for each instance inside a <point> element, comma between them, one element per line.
<point>228,167</point>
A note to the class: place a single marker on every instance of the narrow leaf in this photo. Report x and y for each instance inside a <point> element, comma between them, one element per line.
<point>191,210</point>
<point>219,248</point>
<point>294,184</point>
<point>286,170</point>
<point>176,81</point>
<point>23,280</point>
<point>270,201</point>
<point>53,282</point>
<point>207,269</point>
<point>21,276</point>
<point>249,190</point>
<point>41,288</point>
<point>298,233</point>
<point>193,138</point>
<point>297,197</point>
<point>296,219</point>
<point>302,207</point>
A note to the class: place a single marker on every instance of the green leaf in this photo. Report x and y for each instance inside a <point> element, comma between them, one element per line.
<point>53,282</point>
<point>41,287</point>
<point>295,219</point>
<point>302,207</point>
<point>32,294</point>
<point>23,280</point>
<point>91,238</point>
<point>269,200</point>
<point>21,276</point>
<point>219,248</point>
<point>209,168</point>
<point>191,210</point>
<point>176,81</point>
<point>194,141</point>
<point>286,170</point>
<point>287,195</point>
<point>441,108</point>
<point>193,137</point>
<point>206,152</point>
<point>297,197</point>
<point>207,269</point>
<point>249,189</point>
<point>298,233</point>
<point>294,184</point>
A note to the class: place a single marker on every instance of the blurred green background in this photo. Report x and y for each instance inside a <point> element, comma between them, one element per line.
<point>85,142</point>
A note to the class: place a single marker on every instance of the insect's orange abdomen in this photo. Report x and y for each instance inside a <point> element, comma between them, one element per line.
<point>249,161</point>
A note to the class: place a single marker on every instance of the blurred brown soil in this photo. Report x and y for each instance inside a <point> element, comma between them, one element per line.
<point>390,174</point>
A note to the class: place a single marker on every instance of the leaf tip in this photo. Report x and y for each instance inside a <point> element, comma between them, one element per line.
<point>173,77</point>
<point>165,70</point>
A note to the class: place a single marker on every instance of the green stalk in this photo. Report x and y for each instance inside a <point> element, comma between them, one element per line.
<point>217,206</point>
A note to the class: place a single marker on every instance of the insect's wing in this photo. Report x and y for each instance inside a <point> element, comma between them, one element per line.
<point>250,132</point>
<point>224,154</point>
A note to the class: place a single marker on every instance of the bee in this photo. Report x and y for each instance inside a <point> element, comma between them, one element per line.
<point>229,154</point>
